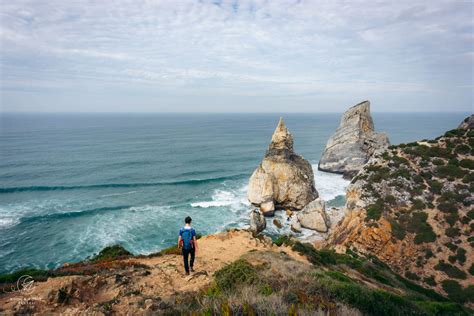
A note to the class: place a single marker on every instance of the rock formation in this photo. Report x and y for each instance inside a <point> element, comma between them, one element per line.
<point>353,143</point>
<point>257,221</point>
<point>411,206</point>
<point>467,123</point>
<point>283,179</point>
<point>313,216</point>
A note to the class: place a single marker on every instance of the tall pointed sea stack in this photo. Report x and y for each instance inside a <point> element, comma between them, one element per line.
<point>283,179</point>
<point>353,143</point>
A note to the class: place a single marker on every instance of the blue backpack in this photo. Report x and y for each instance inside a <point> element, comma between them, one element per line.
<point>187,237</point>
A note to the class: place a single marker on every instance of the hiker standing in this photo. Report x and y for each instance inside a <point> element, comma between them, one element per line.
<point>188,243</point>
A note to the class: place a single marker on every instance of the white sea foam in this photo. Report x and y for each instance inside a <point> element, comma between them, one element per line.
<point>6,222</point>
<point>235,199</point>
<point>329,185</point>
<point>116,194</point>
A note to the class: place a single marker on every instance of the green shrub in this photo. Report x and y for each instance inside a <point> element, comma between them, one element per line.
<point>452,218</point>
<point>447,207</point>
<point>462,149</point>
<point>418,204</point>
<point>282,240</point>
<point>390,199</point>
<point>471,269</point>
<point>461,255</point>
<point>452,232</point>
<point>397,161</point>
<point>111,253</point>
<point>435,186</point>
<point>428,253</point>
<point>36,274</point>
<point>412,276</point>
<point>454,133</point>
<point>265,289</point>
<point>438,162</point>
<point>449,171</point>
<point>398,231</point>
<point>401,172</point>
<point>468,178</point>
<point>374,211</point>
<point>419,289</point>
<point>234,274</point>
<point>451,271</point>
<point>470,214</point>
<point>467,163</point>
<point>453,161</point>
<point>441,308</point>
<point>451,246</point>
<point>339,276</point>
<point>456,292</point>
<point>368,301</point>
<point>417,224</point>
<point>430,280</point>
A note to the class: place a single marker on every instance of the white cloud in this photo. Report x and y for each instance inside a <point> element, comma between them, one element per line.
<point>288,49</point>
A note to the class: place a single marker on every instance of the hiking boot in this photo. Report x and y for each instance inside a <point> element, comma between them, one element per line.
<point>192,270</point>
<point>187,272</point>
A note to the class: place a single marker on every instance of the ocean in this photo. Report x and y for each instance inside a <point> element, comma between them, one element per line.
<point>71,184</point>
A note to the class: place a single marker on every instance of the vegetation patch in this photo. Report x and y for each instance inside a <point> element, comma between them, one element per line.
<point>234,274</point>
<point>111,253</point>
<point>456,292</point>
<point>450,270</point>
<point>449,171</point>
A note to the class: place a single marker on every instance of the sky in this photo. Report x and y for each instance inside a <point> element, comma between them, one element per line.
<point>236,56</point>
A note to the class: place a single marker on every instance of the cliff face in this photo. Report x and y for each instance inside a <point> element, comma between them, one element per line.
<point>353,143</point>
<point>411,206</point>
<point>283,179</point>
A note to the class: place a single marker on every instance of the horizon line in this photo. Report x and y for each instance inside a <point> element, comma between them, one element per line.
<point>195,112</point>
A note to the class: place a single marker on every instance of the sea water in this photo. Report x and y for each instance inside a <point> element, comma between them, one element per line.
<point>71,184</point>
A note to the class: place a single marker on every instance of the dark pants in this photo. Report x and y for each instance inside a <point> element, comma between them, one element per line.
<point>186,253</point>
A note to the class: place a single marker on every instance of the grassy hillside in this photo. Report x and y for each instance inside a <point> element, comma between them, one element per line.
<point>414,206</point>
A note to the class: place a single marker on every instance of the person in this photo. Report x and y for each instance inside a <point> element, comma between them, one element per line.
<point>188,243</point>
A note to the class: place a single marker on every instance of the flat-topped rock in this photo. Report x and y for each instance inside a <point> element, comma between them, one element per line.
<point>353,143</point>
<point>283,179</point>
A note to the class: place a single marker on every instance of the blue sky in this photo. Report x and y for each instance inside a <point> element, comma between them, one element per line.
<point>236,56</point>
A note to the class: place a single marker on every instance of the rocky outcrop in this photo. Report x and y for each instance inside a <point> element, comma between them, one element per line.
<point>257,221</point>
<point>468,123</point>
<point>313,216</point>
<point>411,206</point>
<point>353,143</point>
<point>283,179</point>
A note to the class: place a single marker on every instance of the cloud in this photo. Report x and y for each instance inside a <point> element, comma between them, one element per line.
<point>298,50</point>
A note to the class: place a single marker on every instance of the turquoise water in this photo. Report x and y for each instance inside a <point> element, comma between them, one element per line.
<point>71,184</point>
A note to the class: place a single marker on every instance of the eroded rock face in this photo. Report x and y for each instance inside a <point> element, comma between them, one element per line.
<point>283,179</point>
<point>468,123</point>
<point>313,216</point>
<point>353,143</point>
<point>257,222</point>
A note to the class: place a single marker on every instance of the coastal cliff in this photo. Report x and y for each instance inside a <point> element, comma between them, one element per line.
<point>411,206</point>
<point>353,143</point>
<point>236,274</point>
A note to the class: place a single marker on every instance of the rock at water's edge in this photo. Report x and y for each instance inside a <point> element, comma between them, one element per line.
<point>283,179</point>
<point>257,222</point>
<point>353,143</point>
<point>314,216</point>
